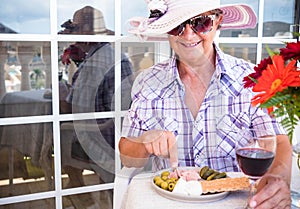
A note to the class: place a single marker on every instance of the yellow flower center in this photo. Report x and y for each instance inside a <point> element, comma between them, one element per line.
<point>275,84</point>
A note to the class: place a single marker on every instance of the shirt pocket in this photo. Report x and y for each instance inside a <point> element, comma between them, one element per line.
<point>154,114</point>
<point>228,127</point>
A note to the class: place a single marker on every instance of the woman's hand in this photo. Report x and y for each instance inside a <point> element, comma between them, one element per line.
<point>272,193</point>
<point>162,144</point>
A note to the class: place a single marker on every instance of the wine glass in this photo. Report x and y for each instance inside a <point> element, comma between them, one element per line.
<point>255,151</point>
<point>295,195</point>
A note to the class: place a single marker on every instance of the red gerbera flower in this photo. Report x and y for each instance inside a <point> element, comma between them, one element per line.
<point>291,51</point>
<point>276,78</point>
<point>249,81</point>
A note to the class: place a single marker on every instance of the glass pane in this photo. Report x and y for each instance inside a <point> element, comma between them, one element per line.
<point>25,79</point>
<point>241,32</point>
<point>86,17</point>
<point>26,159</point>
<point>129,9</point>
<point>18,16</point>
<point>142,56</point>
<point>88,145</point>
<point>95,200</point>
<point>244,51</point>
<point>35,204</point>
<point>273,47</point>
<point>279,18</point>
<point>88,76</point>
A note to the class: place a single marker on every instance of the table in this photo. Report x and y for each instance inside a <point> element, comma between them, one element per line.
<point>34,140</point>
<point>141,195</point>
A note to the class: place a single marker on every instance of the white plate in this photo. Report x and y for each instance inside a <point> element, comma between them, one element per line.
<point>187,198</point>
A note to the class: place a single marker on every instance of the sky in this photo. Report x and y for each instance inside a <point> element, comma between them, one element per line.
<point>33,16</point>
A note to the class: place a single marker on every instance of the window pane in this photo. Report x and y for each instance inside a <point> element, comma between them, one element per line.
<point>245,51</point>
<point>279,18</point>
<point>102,199</point>
<point>26,159</point>
<point>19,16</point>
<point>131,9</point>
<point>88,145</point>
<point>241,32</point>
<point>86,17</point>
<point>25,79</point>
<point>92,81</point>
<point>35,204</point>
<point>273,47</point>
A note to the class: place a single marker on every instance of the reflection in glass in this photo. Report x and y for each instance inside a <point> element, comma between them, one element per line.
<point>26,66</point>
<point>26,159</point>
<point>35,204</point>
<point>89,200</point>
<point>241,32</point>
<point>25,103</point>
<point>90,76</point>
<point>25,17</point>
<point>244,51</point>
<point>89,20</point>
<point>140,54</point>
<point>88,145</point>
<point>273,47</point>
<point>279,18</point>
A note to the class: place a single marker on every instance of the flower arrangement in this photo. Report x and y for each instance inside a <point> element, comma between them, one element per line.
<point>276,80</point>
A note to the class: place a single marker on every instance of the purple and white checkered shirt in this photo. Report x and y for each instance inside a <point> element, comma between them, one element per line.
<point>158,103</point>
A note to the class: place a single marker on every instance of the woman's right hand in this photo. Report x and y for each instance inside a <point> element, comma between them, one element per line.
<point>162,144</point>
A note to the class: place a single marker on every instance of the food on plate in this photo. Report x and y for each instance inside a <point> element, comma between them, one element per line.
<point>188,187</point>
<point>225,184</point>
<point>207,173</point>
<point>195,182</point>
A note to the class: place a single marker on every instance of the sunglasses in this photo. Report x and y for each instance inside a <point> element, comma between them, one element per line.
<point>199,24</point>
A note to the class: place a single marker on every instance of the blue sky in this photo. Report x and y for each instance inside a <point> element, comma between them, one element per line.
<point>33,16</point>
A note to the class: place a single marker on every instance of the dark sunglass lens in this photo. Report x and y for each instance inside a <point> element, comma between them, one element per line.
<point>202,24</point>
<point>176,31</point>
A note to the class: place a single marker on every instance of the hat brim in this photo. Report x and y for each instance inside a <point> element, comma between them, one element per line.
<point>235,16</point>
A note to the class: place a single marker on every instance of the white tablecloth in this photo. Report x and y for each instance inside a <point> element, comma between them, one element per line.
<point>141,195</point>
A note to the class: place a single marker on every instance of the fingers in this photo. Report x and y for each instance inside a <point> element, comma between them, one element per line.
<point>161,143</point>
<point>172,146</point>
<point>275,193</point>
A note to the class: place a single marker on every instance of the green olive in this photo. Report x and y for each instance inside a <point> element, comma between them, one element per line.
<point>156,178</point>
<point>171,186</point>
<point>159,182</point>
<point>165,173</point>
<point>164,185</point>
<point>165,178</point>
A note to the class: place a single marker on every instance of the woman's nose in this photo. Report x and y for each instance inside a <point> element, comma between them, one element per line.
<point>188,30</point>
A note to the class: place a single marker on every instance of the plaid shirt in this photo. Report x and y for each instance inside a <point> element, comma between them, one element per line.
<point>93,84</point>
<point>93,89</point>
<point>158,103</point>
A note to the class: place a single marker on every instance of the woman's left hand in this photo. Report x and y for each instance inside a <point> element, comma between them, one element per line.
<point>272,192</point>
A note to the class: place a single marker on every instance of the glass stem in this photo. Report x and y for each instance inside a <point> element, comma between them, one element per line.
<point>252,192</point>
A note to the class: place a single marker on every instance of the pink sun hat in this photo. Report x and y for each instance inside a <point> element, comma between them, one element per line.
<point>174,12</point>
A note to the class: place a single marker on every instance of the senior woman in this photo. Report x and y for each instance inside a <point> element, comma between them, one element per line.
<point>177,104</point>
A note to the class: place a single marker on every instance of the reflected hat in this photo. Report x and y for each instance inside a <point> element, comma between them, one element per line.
<point>168,14</point>
<point>86,21</point>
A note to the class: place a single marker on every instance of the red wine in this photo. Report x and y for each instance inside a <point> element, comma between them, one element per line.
<point>254,162</point>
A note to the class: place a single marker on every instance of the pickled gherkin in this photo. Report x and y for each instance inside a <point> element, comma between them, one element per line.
<point>207,173</point>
